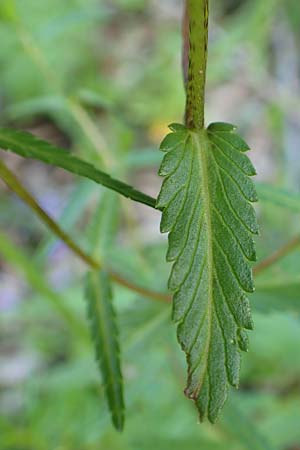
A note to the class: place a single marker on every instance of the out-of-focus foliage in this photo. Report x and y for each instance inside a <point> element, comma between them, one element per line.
<point>104,79</point>
<point>102,318</point>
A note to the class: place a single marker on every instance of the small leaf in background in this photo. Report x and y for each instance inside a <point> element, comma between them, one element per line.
<point>205,197</point>
<point>105,335</point>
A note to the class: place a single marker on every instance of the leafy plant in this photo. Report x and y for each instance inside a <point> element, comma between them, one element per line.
<point>205,201</point>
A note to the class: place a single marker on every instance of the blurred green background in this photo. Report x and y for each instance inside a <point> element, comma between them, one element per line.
<point>103,78</point>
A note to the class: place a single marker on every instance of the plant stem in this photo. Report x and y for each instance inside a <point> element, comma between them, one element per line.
<point>197,16</point>
<point>15,185</point>
<point>78,113</point>
<point>91,131</point>
<point>15,256</point>
<point>140,290</point>
<point>185,45</point>
<point>276,256</point>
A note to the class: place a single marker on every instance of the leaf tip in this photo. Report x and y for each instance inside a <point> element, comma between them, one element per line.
<point>118,422</point>
<point>177,127</point>
<point>243,340</point>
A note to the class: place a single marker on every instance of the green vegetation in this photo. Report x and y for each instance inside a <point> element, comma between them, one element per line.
<point>102,80</point>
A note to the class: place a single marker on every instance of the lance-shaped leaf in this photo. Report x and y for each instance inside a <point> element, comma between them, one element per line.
<point>206,201</point>
<point>29,146</point>
<point>105,335</point>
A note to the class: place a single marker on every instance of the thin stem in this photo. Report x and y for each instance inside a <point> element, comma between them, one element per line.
<point>197,16</point>
<point>15,185</point>
<point>37,57</point>
<point>276,256</point>
<point>90,130</point>
<point>185,45</point>
<point>140,290</point>
<point>15,256</point>
<point>77,112</point>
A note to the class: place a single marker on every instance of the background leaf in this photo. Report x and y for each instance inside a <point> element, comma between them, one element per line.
<point>28,146</point>
<point>105,335</point>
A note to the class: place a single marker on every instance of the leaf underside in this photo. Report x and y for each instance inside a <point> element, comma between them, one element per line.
<point>105,334</point>
<point>206,201</point>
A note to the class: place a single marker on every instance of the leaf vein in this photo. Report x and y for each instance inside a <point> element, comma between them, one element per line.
<point>226,197</point>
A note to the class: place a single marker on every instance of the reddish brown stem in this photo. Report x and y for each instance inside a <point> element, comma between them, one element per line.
<point>276,256</point>
<point>14,184</point>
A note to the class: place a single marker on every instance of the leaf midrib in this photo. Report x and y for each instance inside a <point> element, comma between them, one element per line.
<point>201,144</point>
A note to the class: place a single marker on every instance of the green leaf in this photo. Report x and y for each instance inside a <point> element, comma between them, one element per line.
<point>205,199</point>
<point>28,146</point>
<point>105,335</point>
